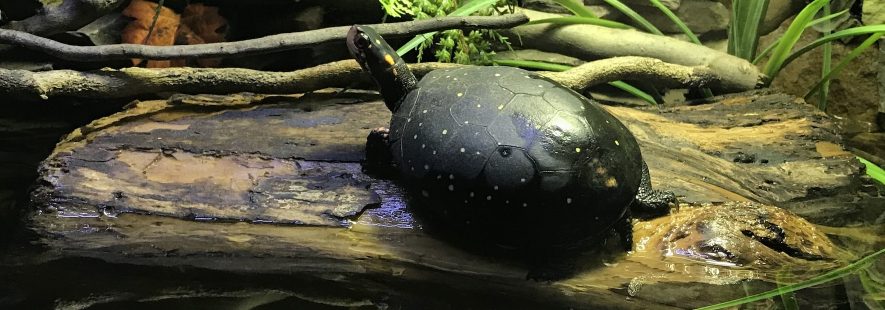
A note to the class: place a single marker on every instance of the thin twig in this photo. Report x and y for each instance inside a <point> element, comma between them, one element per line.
<point>268,44</point>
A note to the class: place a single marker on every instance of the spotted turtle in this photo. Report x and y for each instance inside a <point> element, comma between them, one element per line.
<point>505,155</point>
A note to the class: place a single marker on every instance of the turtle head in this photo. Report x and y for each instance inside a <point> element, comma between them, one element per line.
<point>381,62</point>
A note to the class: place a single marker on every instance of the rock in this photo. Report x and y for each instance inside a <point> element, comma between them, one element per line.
<point>601,10</point>
<point>701,16</point>
<point>873,12</point>
<point>777,12</point>
<point>545,6</point>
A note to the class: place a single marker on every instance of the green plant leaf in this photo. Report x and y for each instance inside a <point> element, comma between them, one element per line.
<point>540,65</point>
<point>634,16</point>
<point>466,9</point>
<point>873,171</point>
<point>790,37</point>
<point>529,64</point>
<point>823,278</point>
<point>771,46</point>
<point>636,92</point>
<point>572,20</point>
<point>576,7</point>
<point>677,21</point>
<point>850,32</point>
<point>743,33</point>
<point>787,299</point>
<point>825,66</point>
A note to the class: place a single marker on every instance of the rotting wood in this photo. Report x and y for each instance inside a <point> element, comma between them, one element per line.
<point>690,150</point>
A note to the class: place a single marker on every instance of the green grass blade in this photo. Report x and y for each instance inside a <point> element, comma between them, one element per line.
<point>634,16</point>
<point>825,70</point>
<point>787,299</point>
<point>850,32</point>
<point>576,7</point>
<point>677,21</point>
<point>825,66</point>
<point>790,37</point>
<point>572,20</point>
<point>529,64</point>
<point>873,171</point>
<point>824,278</point>
<point>842,63</point>
<point>466,9</point>
<point>812,23</point>
<point>540,65</point>
<point>636,92</point>
<point>743,33</point>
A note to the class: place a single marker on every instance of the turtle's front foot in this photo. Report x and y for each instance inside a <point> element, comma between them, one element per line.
<point>649,202</point>
<point>378,157</point>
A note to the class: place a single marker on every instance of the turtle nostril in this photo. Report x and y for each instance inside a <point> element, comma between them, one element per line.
<point>505,152</point>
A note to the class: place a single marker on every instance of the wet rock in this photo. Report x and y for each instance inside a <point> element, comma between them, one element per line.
<point>700,16</point>
<point>873,13</point>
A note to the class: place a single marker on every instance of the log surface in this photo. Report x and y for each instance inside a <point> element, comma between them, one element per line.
<point>197,180</point>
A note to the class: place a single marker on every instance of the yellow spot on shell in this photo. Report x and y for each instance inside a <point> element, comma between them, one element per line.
<point>601,170</point>
<point>388,59</point>
<point>611,182</point>
<point>460,94</point>
<point>617,143</point>
<point>577,150</point>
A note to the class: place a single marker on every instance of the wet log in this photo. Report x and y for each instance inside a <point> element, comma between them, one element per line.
<point>272,186</point>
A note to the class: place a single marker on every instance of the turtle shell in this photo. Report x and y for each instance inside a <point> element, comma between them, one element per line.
<point>508,151</point>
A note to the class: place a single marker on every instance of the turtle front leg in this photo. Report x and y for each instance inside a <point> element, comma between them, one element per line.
<point>378,157</point>
<point>649,202</point>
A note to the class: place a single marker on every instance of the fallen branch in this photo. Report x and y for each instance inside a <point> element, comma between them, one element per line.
<point>268,44</point>
<point>652,70</point>
<point>590,42</point>
<point>68,15</point>
<point>110,83</point>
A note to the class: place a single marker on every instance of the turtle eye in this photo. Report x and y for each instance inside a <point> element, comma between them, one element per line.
<point>361,42</point>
